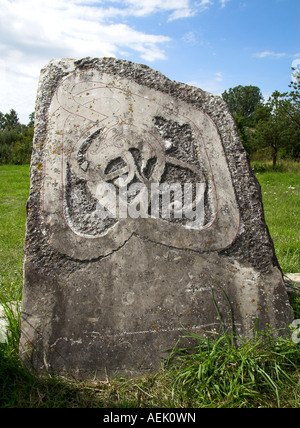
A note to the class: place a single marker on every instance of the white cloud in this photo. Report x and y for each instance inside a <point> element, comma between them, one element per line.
<point>204,4</point>
<point>72,28</point>
<point>190,38</point>
<point>219,76</point>
<point>223,2</point>
<point>182,13</point>
<point>272,54</point>
<point>32,32</point>
<point>175,8</point>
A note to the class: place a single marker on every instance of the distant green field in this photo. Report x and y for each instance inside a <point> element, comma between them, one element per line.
<point>281,198</point>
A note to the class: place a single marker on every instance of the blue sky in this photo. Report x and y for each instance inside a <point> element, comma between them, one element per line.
<point>212,44</point>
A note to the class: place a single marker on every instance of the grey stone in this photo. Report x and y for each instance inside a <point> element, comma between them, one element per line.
<point>8,310</point>
<point>292,284</point>
<point>3,325</point>
<point>110,295</point>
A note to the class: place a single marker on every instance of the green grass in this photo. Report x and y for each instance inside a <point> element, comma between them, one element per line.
<point>261,372</point>
<point>281,199</point>
<point>253,374</point>
<point>14,190</point>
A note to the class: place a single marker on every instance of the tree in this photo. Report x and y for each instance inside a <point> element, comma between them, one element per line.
<point>242,101</point>
<point>15,139</point>
<point>277,128</point>
<point>9,120</point>
<point>278,122</point>
<point>2,121</point>
<point>290,101</point>
<point>294,95</point>
<point>31,120</point>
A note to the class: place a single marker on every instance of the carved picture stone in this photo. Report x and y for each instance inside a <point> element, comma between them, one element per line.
<point>144,221</point>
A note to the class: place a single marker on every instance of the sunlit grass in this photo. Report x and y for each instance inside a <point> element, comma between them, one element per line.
<point>14,191</point>
<point>281,199</point>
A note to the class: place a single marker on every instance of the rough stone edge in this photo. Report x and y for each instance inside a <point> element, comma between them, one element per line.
<point>292,284</point>
<point>253,226</point>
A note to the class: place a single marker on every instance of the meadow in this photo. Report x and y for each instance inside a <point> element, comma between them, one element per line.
<point>281,199</point>
<point>262,372</point>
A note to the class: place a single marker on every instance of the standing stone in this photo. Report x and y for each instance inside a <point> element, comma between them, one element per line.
<point>109,289</point>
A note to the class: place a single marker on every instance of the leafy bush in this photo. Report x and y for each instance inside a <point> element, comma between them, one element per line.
<point>15,140</point>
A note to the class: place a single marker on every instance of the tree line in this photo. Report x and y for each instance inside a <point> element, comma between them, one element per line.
<point>15,139</point>
<point>269,130</point>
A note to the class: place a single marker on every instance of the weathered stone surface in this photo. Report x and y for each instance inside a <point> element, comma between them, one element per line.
<point>110,295</point>
<point>292,284</point>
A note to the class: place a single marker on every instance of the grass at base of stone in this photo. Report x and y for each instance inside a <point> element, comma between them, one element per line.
<point>261,372</point>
